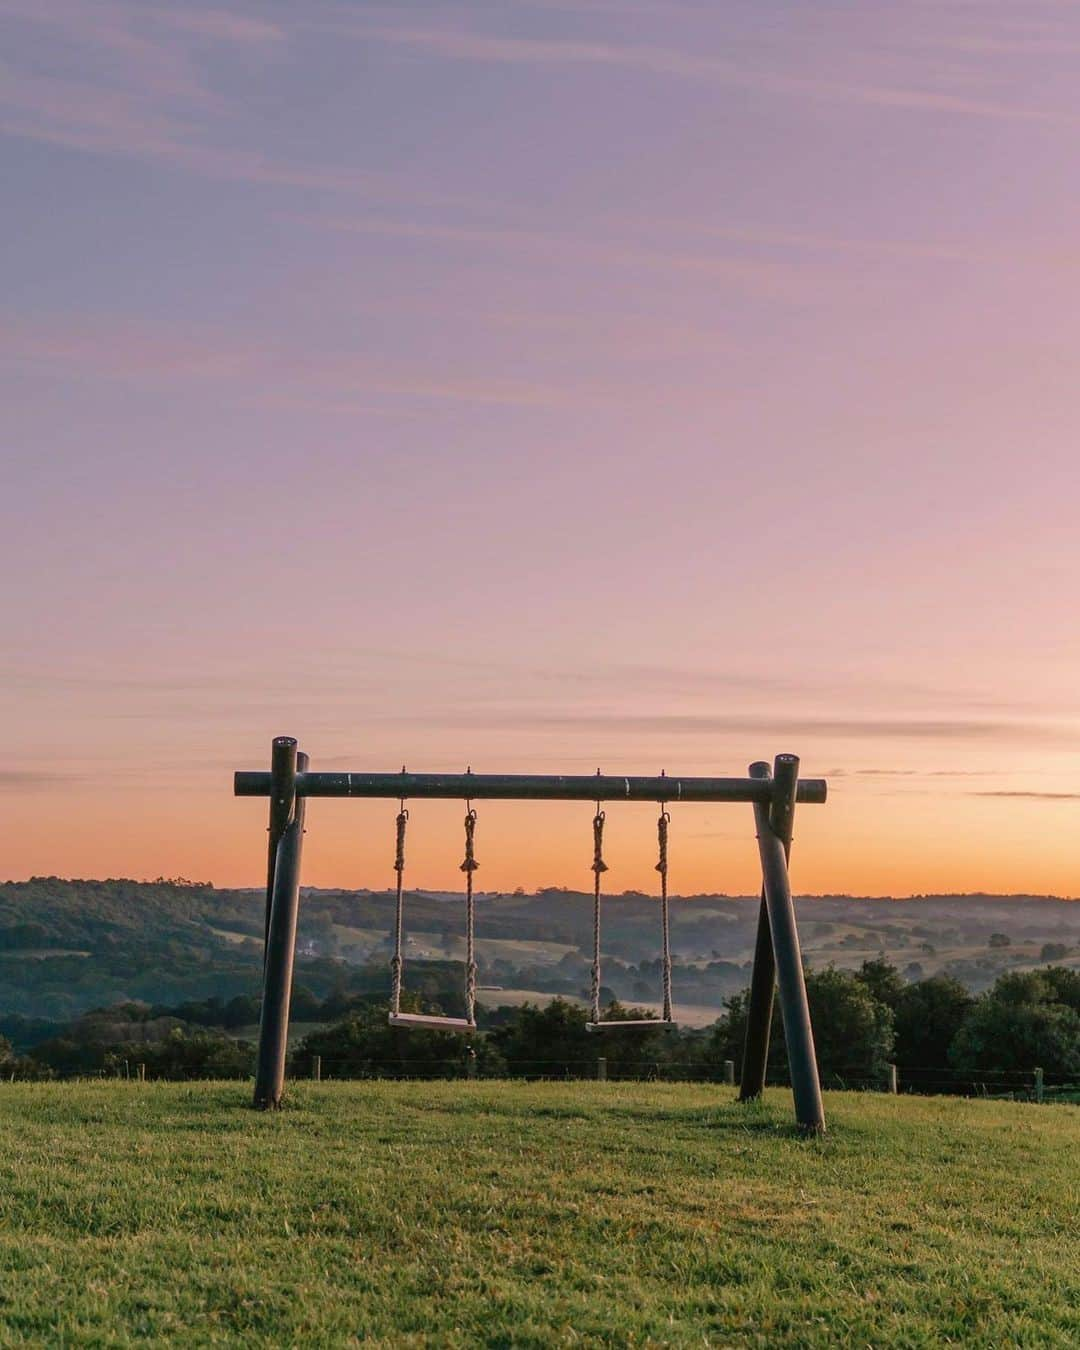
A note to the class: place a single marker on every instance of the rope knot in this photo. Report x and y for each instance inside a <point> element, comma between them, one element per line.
<point>470,864</point>
<point>598,863</point>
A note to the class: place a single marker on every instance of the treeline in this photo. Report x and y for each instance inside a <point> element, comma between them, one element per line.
<point>940,1036</point>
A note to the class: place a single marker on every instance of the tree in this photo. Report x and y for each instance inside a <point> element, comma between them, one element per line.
<point>1000,940</point>
<point>999,1035</point>
<point>927,1017</point>
<point>1028,1019</point>
<point>1064,986</point>
<point>853,1032</point>
<point>196,1054</point>
<point>1023,986</point>
<point>883,981</point>
<point>543,1041</point>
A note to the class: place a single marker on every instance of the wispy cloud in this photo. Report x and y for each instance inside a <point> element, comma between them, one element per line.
<point>697,724</point>
<point>898,249</point>
<point>1033,796</point>
<point>464,45</point>
<point>221,25</point>
<point>31,780</point>
<point>777,278</point>
<point>125,78</point>
<point>134,80</point>
<point>248,365</point>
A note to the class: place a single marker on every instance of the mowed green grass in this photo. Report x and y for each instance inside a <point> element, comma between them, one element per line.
<point>491,1214</point>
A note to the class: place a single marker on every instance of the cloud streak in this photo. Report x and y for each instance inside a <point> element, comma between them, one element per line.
<point>246,365</point>
<point>772,277</point>
<point>33,780</point>
<point>693,724</point>
<point>663,61</point>
<point>1033,796</point>
<point>145,89</point>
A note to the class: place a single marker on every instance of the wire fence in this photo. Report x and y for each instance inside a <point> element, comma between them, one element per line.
<point>1002,1084</point>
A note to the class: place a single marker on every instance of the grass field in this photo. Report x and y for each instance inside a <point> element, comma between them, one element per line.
<point>454,1214</point>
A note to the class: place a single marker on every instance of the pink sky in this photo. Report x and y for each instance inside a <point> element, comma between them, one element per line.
<point>542,387</point>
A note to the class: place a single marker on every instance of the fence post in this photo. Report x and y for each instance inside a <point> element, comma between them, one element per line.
<point>1038,1085</point>
<point>894,1085</point>
<point>601,1069</point>
<point>316,1068</point>
<point>141,1070</point>
<point>280,954</point>
<point>729,1072</point>
<point>773,824</point>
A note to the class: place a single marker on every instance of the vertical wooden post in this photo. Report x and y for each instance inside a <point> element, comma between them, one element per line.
<point>141,1070</point>
<point>282,799</point>
<point>729,1072</point>
<point>601,1069</point>
<point>280,955</point>
<point>1039,1086</point>
<point>759,1011</point>
<point>774,823</point>
<point>894,1085</point>
<point>316,1068</point>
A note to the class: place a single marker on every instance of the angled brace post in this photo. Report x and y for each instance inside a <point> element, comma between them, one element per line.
<point>773,829</point>
<point>763,976</point>
<point>280,955</point>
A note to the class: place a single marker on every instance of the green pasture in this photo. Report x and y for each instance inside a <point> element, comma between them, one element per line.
<point>495,1214</point>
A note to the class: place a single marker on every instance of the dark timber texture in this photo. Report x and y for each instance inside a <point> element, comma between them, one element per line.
<point>527,787</point>
<point>763,976</point>
<point>278,960</point>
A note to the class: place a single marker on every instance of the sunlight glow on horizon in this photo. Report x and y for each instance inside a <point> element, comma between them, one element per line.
<point>541,388</point>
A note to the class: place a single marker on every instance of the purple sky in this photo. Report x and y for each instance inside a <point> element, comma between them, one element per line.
<point>542,386</point>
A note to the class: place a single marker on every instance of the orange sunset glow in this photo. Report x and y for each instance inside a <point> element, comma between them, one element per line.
<point>635,398</point>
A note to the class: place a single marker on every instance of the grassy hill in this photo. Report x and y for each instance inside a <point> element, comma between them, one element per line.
<point>531,1215</point>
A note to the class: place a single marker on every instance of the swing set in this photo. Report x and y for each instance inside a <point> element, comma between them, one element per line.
<point>773,793</point>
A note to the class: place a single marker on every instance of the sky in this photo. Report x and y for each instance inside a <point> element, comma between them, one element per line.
<point>542,387</point>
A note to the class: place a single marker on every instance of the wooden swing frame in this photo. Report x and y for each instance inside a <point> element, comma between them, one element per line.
<point>772,792</point>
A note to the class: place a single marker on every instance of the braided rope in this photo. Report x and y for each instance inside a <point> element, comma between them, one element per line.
<point>469,866</point>
<point>598,866</point>
<point>397,964</point>
<point>662,868</point>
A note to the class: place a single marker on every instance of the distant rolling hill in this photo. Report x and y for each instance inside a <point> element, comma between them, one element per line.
<point>69,945</point>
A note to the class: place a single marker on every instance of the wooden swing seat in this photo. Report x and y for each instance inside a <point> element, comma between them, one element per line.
<point>657,1023</point>
<point>421,1021</point>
